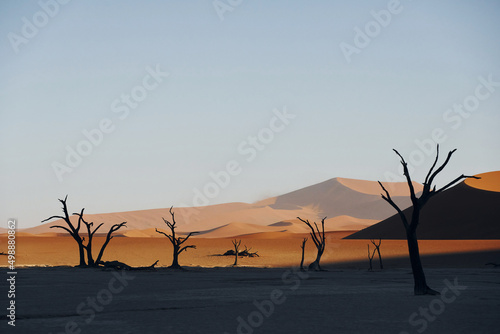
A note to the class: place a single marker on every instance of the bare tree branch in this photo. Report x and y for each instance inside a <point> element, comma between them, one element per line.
<point>389,200</point>
<point>186,247</point>
<point>183,240</point>
<point>406,173</point>
<point>168,236</point>
<point>431,179</point>
<point>53,217</point>
<point>426,182</point>
<point>461,177</point>
<point>64,228</point>
<point>109,236</point>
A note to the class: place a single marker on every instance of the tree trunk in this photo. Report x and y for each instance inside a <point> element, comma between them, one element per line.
<point>315,265</point>
<point>370,258</point>
<point>175,261</point>
<point>420,287</point>
<point>90,258</point>
<point>81,250</point>
<point>302,261</point>
<point>380,258</point>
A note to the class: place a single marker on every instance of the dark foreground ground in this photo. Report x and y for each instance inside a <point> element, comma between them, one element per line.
<point>249,300</point>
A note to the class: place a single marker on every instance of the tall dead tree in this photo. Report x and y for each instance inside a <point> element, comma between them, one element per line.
<point>74,231</point>
<point>303,251</point>
<point>318,237</point>
<point>429,191</point>
<point>177,242</point>
<point>377,249</point>
<point>236,244</point>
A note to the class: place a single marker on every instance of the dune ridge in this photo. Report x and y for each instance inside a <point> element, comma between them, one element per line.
<point>348,204</point>
<point>462,212</point>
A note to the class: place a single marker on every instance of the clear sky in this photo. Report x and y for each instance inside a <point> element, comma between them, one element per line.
<point>350,80</point>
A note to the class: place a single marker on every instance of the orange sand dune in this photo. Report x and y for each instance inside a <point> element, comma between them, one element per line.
<point>237,229</point>
<point>489,181</point>
<point>348,223</point>
<point>335,198</point>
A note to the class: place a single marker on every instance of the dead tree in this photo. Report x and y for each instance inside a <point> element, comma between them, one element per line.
<point>177,242</point>
<point>74,231</point>
<point>248,253</point>
<point>319,240</point>
<point>429,191</point>
<point>90,235</point>
<point>370,257</point>
<point>377,249</point>
<point>117,265</point>
<point>236,244</point>
<point>303,250</point>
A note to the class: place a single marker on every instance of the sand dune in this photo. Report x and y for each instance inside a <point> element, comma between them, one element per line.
<point>349,205</point>
<point>237,229</point>
<point>348,223</point>
<point>489,181</point>
<point>462,212</point>
<point>337,197</point>
<point>341,223</point>
<point>373,188</point>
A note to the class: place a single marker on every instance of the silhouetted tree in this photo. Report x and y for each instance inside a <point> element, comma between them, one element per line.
<point>370,257</point>
<point>303,250</point>
<point>236,244</point>
<point>90,236</point>
<point>177,242</point>
<point>418,203</point>
<point>74,231</point>
<point>318,237</point>
<point>377,249</point>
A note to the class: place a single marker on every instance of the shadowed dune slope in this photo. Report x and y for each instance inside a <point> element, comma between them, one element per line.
<point>462,212</point>
<point>338,197</point>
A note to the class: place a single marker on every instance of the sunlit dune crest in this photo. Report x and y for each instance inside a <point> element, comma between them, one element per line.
<point>489,181</point>
<point>373,188</point>
<point>461,212</point>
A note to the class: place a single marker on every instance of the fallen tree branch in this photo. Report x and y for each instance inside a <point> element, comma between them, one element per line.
<point>123,266</point>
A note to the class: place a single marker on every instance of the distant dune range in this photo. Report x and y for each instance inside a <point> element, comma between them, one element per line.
<point>470,210</point>
<point>466,211</point>
<point>349,204</point>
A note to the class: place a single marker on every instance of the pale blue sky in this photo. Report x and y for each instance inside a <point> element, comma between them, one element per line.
<point>225,79</point>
